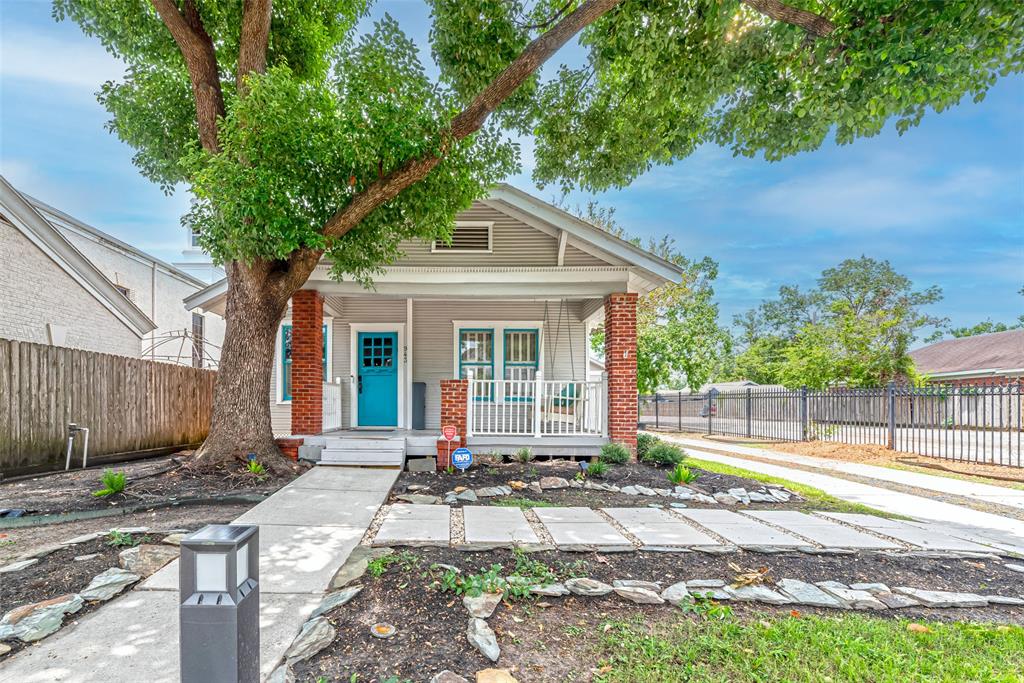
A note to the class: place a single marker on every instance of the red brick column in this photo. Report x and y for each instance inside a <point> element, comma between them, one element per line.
<point>289,447</point>
<point>454,393</point>
<point>307,362</point>
<point>620,364</point>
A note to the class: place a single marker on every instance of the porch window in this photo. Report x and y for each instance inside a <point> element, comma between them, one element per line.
<point>476,359</point>
<point>286,361</point>
<point>522,352</point>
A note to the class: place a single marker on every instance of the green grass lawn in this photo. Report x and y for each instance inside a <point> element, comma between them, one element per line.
<point>520,502</point>
<point>808,649</point>
<point>815,498</point>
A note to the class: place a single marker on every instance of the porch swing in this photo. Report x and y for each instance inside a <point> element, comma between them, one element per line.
<point>563,408</point>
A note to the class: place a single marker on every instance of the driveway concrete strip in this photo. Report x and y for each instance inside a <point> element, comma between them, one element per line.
<point>134,638</point>
<point>415,525</point>
<point>305,536</point>
<point>928,539</point>
<point>581,528</point>
<point>659,528</point>
<point>743,531</point>
<point>490,525</point>
<point>886,500</point>
<point>822,531</point>
<point>1000,495</point>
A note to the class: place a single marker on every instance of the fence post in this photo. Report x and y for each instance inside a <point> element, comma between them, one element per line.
<point>890,394</point>
<point>657,417</point>
<point>709,412</point>
<point>803,413</point>
<point>749,430</point>
<point>679,411</point>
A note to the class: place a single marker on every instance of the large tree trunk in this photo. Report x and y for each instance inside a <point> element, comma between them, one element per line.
<point>240,424</point>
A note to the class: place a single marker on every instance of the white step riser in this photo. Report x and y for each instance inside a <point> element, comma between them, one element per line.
<point>338,456</point>
<point>366,444</point>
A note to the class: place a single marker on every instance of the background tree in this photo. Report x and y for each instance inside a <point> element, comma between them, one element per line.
<point>300,139</point>
<point>855,327</point>
<point>984,327</point>
<point>679,340</point>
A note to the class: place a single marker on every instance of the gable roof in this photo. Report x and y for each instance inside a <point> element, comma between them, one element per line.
<point>998,353</point>
<point>532,210</point>
<point>25,218</point>
<point>52,214</point>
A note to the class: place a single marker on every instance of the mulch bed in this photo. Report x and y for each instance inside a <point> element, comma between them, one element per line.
<point>633,473</point>
<point>150,482</point>
<point>535,635</point>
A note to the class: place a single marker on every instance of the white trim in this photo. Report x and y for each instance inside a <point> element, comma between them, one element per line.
<point>562,239</point>
<point>278,366</point>
<point>354,330</point>
<point>499,341</point>
<point>969,374</point>
<point>408,361</point>
<point>468,224</point>
<point>27,220</point>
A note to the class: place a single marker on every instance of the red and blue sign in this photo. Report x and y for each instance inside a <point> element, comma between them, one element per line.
<point>462,458</point>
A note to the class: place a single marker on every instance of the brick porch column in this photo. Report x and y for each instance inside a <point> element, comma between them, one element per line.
<point>620,364</point>
<point>454,394</point>
<point>307,362</point>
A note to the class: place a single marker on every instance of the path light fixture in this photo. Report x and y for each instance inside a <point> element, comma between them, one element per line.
<point>219,605</point>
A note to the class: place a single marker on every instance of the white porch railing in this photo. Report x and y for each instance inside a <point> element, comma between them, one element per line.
<point>537,407</point>
<point>332,406</point>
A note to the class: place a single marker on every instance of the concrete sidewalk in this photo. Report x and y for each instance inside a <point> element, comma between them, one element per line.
<point>961,520</point>
<point>1000,495</point>
<point>307,530</point>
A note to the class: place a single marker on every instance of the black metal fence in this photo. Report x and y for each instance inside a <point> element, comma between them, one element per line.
<point>975,423</point>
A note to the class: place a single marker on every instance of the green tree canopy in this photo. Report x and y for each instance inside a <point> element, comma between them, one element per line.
<point>855,327</point>
<point>301,138</point>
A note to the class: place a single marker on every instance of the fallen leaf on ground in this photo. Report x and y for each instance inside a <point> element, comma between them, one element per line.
<point>918,628</point>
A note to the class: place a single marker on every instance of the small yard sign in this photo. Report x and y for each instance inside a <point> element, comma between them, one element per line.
<point>449,432</point>
<point>462,458</point>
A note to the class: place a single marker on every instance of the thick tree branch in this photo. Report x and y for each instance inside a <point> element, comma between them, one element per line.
<point>814,24</point>
<point>252,50</point>
<point>471,118</point>
<point>201,60</point>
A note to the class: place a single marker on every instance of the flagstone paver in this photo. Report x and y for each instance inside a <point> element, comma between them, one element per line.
<point>581,529</point>
<point>924,537</point>
<point>822,531</point>
<point>489,525</point>
<point>742,531</point>
<point>415,525</point>
<point>659,528</point>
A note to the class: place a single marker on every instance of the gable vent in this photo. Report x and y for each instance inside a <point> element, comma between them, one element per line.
<point>468,237</point>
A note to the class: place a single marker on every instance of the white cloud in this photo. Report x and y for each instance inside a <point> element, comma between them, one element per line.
<point>876,197</point>
<point>29,55</point>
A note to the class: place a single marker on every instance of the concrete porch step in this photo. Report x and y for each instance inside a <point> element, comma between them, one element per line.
<point>352,456</point>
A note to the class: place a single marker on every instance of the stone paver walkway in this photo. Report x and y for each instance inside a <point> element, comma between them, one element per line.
<point>307,530</point>
<point>647,528</point>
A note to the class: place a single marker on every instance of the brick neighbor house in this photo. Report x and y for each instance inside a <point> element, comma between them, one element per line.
<point>488,333</point>
<point>996,358</point>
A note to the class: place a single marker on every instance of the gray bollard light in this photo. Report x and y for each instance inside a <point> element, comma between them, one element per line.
<point>219,605</point>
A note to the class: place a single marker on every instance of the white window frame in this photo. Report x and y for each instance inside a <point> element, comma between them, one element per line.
<point>279,375</point>
<point>499,343</point>
<point>468,224</point>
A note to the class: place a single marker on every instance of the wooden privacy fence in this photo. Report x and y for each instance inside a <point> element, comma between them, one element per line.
<point>127,404</point>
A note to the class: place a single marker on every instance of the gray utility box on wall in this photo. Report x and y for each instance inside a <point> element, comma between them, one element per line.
<point>219,606</point>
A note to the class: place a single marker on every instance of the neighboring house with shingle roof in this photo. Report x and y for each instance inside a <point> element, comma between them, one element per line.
<point>982,358</point>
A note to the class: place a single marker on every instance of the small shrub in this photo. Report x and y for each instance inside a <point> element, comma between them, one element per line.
<point>597,469</point>
<point>681,474</point>
<point>255,468</point>
<point>378,566</point>
<point>121,539</point>
<point>614,453</point>
<point>113,482</point>
<point>664,454</point>
<point>524,455</point>
<point>644,441</point>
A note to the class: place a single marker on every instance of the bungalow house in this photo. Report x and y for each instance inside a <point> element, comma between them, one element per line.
<point>996,358</point>
<point>488,333</point>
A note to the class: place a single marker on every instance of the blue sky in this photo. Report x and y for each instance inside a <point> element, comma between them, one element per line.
<point>944,202</point>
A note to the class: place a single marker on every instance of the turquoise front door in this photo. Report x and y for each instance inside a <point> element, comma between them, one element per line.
<point>378,379</point>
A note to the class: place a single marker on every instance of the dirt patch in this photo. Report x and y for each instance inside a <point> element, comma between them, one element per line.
<point>629,474</point>
<point>539,638</point>
<point>148,482</point>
